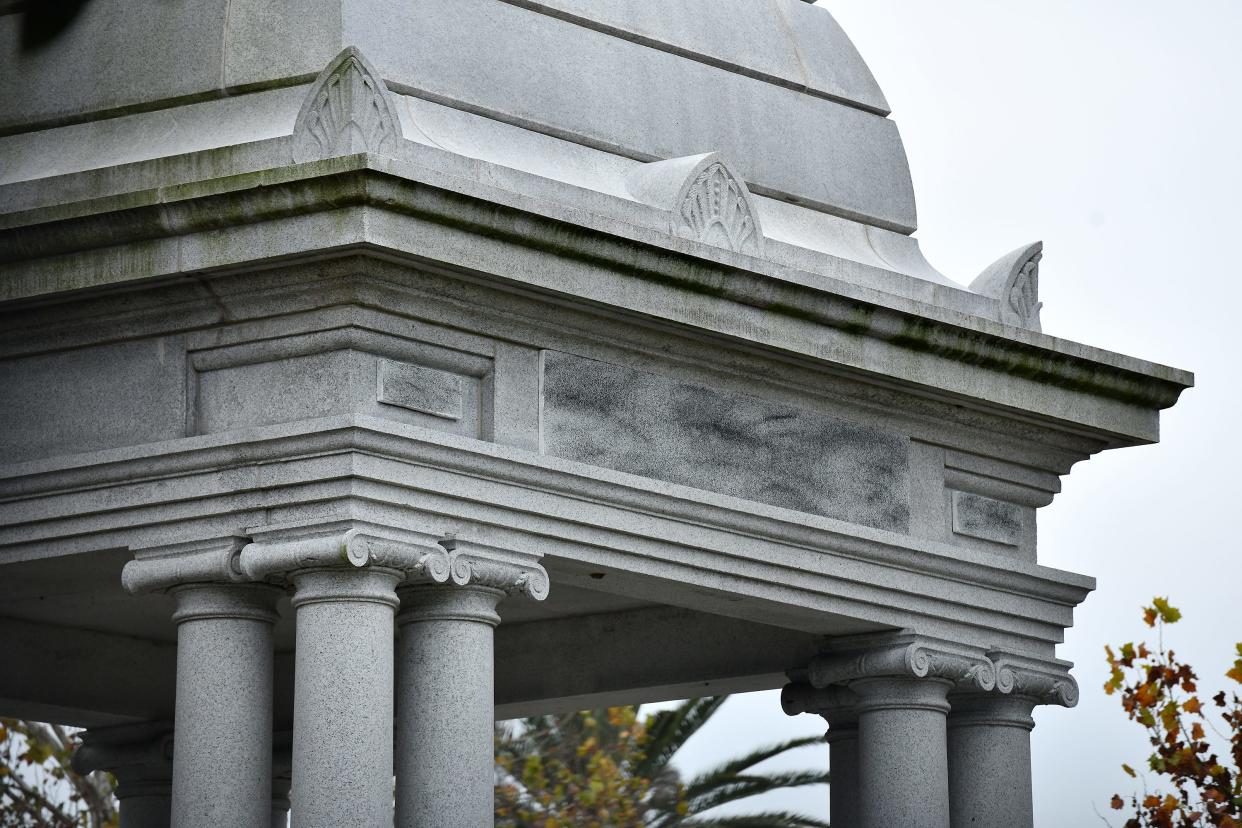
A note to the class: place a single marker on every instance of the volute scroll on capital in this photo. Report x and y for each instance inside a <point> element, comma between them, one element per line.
<point>906,656</point>
<point>159,570</point>
<point>470,568</point>
<point>352,549</point>
<point>1045,684</point>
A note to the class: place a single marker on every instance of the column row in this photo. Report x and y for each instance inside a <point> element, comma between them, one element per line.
<point>349,693</point>
<point>924,735</point>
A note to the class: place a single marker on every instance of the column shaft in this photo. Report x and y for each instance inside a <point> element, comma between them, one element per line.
<point>343,697</point>
<point>843,765</point>
<point>990,761</point>
<point>902,767</point>
<point>446,707</point>
<point>223,728</point>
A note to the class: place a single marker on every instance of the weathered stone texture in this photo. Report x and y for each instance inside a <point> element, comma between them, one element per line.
<point>653,426</point>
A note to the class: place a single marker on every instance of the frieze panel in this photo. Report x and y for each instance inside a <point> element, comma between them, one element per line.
<point>734,444</point>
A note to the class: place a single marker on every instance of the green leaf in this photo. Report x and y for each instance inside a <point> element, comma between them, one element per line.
<point>1168,614</point>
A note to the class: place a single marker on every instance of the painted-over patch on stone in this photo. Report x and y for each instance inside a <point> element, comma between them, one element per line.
<point>738,445</point>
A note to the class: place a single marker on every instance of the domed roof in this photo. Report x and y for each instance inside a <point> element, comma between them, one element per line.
<point>774,86</point>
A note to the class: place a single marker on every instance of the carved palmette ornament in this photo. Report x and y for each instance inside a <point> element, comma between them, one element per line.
<point>347,110</point>
<point>715,209</point>
<point>705,199</point>
<point>1013,280</point>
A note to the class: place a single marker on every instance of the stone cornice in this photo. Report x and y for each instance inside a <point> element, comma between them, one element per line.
<point>367,182</point>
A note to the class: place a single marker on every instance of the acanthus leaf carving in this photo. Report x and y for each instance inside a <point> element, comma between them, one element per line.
<point>347,110</point>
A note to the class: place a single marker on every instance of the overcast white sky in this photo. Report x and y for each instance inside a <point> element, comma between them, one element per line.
<point>1111,129</point>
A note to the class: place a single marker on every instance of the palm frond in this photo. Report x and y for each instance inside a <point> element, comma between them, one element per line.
<point>766,819</point>
<point>729,770</point>
<point>668,730</point>
<point>743,786</point>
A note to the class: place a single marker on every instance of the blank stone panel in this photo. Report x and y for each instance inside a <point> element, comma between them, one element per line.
<point>96,398</point>
<point>738,445</point>
<point>336,382</point>
<point>277,391</point>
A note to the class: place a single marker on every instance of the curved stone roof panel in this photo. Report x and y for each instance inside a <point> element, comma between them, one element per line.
<point>774,86</point>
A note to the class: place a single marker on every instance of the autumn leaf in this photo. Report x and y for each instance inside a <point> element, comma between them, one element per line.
<point>1168,614</point>
<point>1204,791</point>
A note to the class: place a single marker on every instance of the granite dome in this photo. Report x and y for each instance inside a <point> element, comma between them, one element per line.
<point>775,86</point>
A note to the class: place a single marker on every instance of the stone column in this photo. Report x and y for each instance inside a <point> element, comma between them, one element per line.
<point>140,757</point>
<point>223,764</point>
<point>902,683</point>
<point>838,707</point>
<point>902,758</point>
<point>990,760</point>
<point>445,691</point>
<point>345,597</point>
<point>223,725</point>
<point>990,744</point>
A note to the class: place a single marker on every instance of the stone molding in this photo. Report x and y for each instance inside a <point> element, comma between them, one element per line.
<point>347,110</point>
<point>435,602</point>
<point>246,601</point>
<point>991,710</point>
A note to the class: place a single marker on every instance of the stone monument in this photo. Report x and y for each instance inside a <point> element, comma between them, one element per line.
<point>370,371</point>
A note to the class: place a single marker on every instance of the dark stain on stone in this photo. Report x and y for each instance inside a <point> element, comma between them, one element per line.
<point>739,445</point>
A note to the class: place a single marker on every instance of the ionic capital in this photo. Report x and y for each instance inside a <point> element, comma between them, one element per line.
<point>1045,682</point>
<point>837,705</point>
<point>159,570</point>
<point>476,565</point>
<point>902,656</point>
<point>140,756</point>
<point>278,559</point>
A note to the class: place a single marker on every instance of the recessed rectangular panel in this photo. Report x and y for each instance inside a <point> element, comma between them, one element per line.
<point>735,444</point>
<point>982,517</point>
<point>420,389</point>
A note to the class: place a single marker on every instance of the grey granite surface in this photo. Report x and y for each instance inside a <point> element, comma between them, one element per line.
<point>738,445</point>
